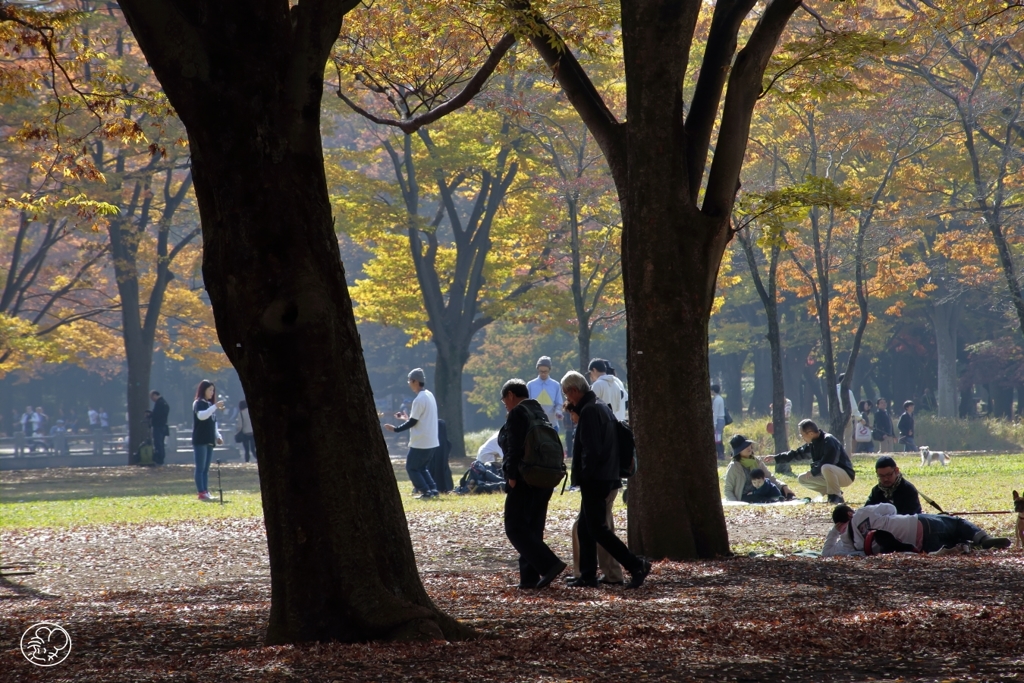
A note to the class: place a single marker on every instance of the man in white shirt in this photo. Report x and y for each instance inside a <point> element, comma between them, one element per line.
<point>718,413</point>
<point>547,392</point>
<point>607,387</point>
<point>917,533</point>
<point>422,426</point>
<point>490,451</point>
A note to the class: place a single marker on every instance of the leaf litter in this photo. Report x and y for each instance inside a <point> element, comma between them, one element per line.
<point>188,601</point>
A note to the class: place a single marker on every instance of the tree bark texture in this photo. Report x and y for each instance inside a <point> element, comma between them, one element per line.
<point>247,83</point>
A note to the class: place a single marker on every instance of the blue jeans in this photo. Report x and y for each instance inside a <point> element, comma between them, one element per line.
<point>943,531</point>
<point>416,464</point>
<point>204,456</point>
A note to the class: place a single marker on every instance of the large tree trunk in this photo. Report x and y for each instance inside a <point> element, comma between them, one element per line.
<point>945,317</point>
<point>341,560</point>
<point>690,523</point>
<point>732,382</point>
<point>448,390</point>
<point>139,353</point>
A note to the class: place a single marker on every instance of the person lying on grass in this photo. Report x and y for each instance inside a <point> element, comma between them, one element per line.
<point>878,528</point>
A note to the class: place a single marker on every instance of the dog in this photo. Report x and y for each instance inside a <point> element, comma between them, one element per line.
<point>928,455</point>
<point>1018,531</point>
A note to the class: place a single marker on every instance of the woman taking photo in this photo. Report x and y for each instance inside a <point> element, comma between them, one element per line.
<point>205,434</point>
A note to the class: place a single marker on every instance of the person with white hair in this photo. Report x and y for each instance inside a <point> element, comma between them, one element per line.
<point>595,469</point>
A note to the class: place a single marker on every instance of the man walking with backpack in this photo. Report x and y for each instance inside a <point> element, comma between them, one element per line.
<point>596,467</point>
<point>525,439</point>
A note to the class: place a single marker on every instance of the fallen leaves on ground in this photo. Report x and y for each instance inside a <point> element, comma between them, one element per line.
<point>188,602</point>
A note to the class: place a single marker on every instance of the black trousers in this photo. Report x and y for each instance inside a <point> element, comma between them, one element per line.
<point>526,510</point>
<point>158,446</point>
<point>593,530</point>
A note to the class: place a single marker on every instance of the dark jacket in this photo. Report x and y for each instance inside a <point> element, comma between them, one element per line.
<point>512,436</point>
<point>883,422</point>
<point>595,447</point>
<point>766,493</point>
<point>824,450</point>
<point>904,497</point>
<point>906,424</point>
<point>161,409</point>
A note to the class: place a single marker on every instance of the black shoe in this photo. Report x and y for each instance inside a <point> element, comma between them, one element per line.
<point>582,583</point>
<point>835,499</point>
<point>609,583</point>
<point>636,579</point>
<point>552,574</point>
<point>567,579</point>
<point>525,585</point>
<point>995,542</point>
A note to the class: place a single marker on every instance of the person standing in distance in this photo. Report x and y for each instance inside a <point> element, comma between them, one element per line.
<point>906,427</point>
<point>605,387</point>
<point>205,434</point>
<point>718,415</point>
<point>547,392</point>
<point>422,426</point>
<point>158,422</point>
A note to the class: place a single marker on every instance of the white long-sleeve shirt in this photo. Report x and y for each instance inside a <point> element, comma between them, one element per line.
<point>882,517</point>
<point>838,544</point>
<point>606,388</point>
<point>490,451</point>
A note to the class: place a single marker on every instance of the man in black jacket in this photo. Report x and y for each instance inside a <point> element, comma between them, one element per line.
<point>526,507</point>
<point>159,425</point>
<point>831,469</point>
<point>906,427</point>
<point>595,469</point>
<point>893,488</point>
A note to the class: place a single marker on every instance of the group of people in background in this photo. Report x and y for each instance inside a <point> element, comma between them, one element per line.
<point>872,423</point>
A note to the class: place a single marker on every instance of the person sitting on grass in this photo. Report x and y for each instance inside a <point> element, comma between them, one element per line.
<point>738,474</point>
<point>893,488</point>
<point>831,469</point>
<point>764,490</point>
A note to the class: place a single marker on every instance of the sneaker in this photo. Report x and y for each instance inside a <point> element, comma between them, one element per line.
<point>636,579</point>
<point>835,499</point>
<point>998,542</point>
<point>205,495</point>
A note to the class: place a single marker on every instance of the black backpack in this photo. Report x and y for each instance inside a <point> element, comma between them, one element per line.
<point>627,450</point>
<point>543,464</point>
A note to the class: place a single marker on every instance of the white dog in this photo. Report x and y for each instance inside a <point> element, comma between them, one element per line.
<point>927,456</point>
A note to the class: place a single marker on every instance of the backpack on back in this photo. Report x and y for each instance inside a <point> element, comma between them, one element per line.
<point>543,464</point>
<point>627,450</point>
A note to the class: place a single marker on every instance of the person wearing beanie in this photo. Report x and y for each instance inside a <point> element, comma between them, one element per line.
<point>738,478</point>
<point>893,488</point>
<point>547,392</point>
<point>917,533</point>
<point>423,440</point>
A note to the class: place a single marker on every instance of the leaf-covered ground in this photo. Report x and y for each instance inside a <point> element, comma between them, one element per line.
<point>187,601</point>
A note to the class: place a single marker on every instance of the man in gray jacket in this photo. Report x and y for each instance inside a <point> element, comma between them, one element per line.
<point>595,467</point>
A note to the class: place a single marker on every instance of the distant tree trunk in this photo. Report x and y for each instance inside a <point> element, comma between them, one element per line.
<point>448,390</point>
<point>341,560</point>
<point>1002,400</point>
<point>762,396</point>
<point>732,382</point>
<point>945,318</point>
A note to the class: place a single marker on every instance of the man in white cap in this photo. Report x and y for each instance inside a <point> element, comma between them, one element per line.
<point>422,426</point>
<point>547,392</point>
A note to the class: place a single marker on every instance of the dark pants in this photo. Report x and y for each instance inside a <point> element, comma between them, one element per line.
<point>159,453</point>
<point>942,531</point>
<point>908,444</point>
<point>526,510</point>
<point>416,464</point>
<point>593,530</point>
<point>249,444</point>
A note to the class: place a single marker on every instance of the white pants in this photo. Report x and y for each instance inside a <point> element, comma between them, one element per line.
<point>830,482</point>
<point>610,567</point>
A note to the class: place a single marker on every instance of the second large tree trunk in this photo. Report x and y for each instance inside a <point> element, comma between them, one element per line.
<point>448,392</point>
<point>944,322</point>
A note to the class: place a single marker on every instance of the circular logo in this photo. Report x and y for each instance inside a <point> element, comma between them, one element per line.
<point>45,644</point>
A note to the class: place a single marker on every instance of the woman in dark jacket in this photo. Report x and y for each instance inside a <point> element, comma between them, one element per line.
<point>205,434</point>
<point>595,454</point>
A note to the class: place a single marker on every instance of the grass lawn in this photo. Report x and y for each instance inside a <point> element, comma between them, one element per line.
<point>75,496</point>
